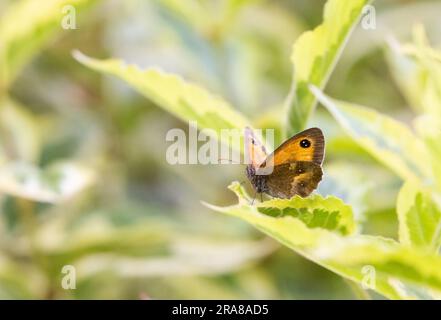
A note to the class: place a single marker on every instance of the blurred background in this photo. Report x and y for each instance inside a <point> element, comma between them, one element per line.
<point>133,225</point>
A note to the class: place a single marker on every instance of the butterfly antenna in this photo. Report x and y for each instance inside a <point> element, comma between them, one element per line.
<point>261,200</point>
<point>231,161</point>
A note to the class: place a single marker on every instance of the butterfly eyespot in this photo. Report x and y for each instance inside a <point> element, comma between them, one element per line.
<point>305,143</point>
<point>300,170</point>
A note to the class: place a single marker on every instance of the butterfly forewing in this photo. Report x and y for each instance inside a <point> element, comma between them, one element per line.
<point>308,145</point>
<point>255,150</point>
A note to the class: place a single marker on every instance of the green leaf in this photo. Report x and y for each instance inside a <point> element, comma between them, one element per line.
<point>399,272</point>
<point>419,218</point>
<point>409,78</point>
<point>357,183</point>
<point>25,28</point>
<point>306,218</point>
<point>53,184</point>
<point>425,84</point>
<point>391,269</point>
<point>187,101</point>
<point>314,56</point>
<point>433,143</point>
<point>315,212</point>
<point>389,141</point>
<point>417,70</point>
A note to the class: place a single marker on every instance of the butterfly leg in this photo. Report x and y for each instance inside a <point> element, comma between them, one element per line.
<point>254,198</point>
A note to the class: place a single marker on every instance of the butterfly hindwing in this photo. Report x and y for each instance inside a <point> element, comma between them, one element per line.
<point>289,179</point>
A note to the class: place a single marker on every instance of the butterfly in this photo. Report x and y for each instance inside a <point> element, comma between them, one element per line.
<point>293,168</point>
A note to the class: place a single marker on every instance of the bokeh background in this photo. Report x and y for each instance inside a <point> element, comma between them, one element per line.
<point>133,225</point>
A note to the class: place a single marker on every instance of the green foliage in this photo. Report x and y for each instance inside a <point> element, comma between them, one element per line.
<point>417,68</point>
<point>419,217</point>
<point>19,176</point>
<point>40,21</point>
<point>186,101</point>
<point>83,180</point>
<point>386,139</point>
<point>323,229</point>
<point>397,267</point>
<point>314,56</point>
<point>14,120</point>
<point>315,212</point>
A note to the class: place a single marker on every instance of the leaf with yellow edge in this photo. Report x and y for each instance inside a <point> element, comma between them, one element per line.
<point>315,54</point>
<point>185,100</point>
<point>386,139</point>
<point>380,264</point>
<point>419,217</point>
<point>424,84</point>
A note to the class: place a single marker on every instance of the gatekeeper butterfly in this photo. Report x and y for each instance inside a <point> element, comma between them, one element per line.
<point>293,168</point>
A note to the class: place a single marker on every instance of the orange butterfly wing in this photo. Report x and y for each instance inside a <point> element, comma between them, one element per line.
<point>308,145</point>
